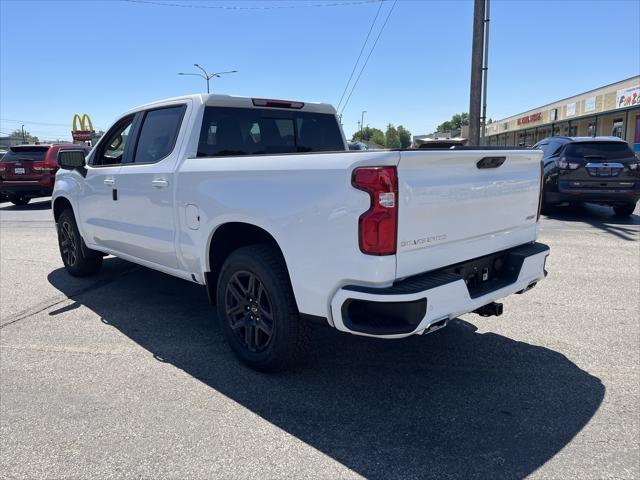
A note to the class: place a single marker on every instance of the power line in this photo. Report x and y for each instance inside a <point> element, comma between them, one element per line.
<point>369,56</point>
<point>360,55</point>
<point>264,7</point>
<point>34,123</point>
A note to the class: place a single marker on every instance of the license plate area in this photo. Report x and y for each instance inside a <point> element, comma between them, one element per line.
<point>486,274</point>
<point>19,171</point>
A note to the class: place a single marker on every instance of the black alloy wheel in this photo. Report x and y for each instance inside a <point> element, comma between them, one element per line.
<point>257,309</point>
<point>249,312</point>
<point>68,244</point>
<point>78,259</point>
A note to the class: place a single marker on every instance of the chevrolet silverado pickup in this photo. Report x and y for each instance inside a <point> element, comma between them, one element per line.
<point>261,202</point>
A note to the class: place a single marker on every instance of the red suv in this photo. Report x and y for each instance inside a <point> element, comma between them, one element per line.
<point>28,171</point>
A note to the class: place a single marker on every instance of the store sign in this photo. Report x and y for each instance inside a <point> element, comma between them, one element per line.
<point>628,97</point>
<point>553,114</point>
<point>85,131</point>
<point>571,109</point>
<point>535,117</point>
<point>590,104</point>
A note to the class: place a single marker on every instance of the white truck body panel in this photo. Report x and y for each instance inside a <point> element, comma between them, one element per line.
<point>449,206</point>
<point>167,212</point>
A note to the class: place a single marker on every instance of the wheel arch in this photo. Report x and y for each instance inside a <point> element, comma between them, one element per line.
<point>228,237</point>
<point>60,204</point>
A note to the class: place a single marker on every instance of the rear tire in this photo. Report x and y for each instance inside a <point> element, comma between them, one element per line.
<point>19,200</point>
<point>624,210</point>
<point>257,310</point>
<point>78,260</point>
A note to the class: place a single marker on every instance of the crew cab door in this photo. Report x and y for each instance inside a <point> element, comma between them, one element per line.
<point>97,212</point>
<point>145,194</point>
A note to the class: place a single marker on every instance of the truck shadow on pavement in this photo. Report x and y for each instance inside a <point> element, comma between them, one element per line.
<point>455,404</point>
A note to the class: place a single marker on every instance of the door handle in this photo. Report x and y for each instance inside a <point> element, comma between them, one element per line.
<point>109,181</point>
<point>159,183</point>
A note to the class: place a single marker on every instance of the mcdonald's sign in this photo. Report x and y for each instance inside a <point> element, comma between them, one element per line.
<point>85,131</point>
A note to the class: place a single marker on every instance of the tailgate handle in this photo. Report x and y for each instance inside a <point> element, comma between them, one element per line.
<point>490,162</point>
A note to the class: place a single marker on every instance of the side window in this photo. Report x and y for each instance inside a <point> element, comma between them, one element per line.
<point>158,134</point>
<point>317,134</point>
<point>111,150</point>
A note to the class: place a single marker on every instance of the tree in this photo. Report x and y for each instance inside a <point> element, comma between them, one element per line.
<point>391,137</point>
<point>27,136</point>
<point>405,137</point>
<point>365,134</point>
<point>377,137</point>
<point>456,123</point>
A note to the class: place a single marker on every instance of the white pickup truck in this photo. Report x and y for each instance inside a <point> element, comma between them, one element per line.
<point>260,201</point>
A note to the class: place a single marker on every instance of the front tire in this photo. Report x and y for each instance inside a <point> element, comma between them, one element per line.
<point>78,260</point>
<point>624,210</point>
<point>257,310</point>
<point>19,200</point>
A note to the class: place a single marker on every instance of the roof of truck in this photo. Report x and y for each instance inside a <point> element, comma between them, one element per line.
<point>212,99</point>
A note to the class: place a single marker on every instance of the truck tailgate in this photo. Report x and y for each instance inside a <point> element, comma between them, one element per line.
<point>450,210</point>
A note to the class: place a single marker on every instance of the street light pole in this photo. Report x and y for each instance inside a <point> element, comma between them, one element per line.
<point>207,76</point>
<point>23,139</point>
<point>362,125</point>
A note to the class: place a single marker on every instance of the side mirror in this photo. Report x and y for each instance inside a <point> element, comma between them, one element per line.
<point>71,159</point>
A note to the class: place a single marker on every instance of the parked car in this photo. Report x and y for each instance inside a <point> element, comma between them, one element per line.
<point>357,146</point>
<point>260,201</point>
<point>28,171</point>
<point>601,170</point>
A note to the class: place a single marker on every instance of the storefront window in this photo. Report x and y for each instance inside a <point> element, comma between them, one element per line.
<point>618,125</point>
<point>591,129</point>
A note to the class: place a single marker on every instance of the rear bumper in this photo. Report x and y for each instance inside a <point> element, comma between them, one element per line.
<point>42,187</point>
<point>609,192</point>
<point>417,304</point>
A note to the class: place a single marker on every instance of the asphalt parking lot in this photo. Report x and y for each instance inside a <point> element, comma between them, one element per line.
<point>126,375</point>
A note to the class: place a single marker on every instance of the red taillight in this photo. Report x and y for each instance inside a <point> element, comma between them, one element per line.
<point>378,226</point>
<point>540,193</point>
<point>268,102</point>
<point>3,167</point>
<point>564,165</point>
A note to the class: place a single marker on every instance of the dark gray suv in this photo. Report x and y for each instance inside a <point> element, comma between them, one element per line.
<point>600,170</point>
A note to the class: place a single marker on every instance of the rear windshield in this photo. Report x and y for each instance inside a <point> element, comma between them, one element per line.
<point>25,153</point>
<point>601,150</point>
<point>248,131</point>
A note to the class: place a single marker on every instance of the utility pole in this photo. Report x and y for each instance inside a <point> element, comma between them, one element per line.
<point>485,70</point>
<point>360,128</point>
<point>362,125</point>
<point>23,137</point>
<point>475,93</point>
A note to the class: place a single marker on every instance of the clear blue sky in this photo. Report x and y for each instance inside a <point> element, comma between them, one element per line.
<point>103,57</point>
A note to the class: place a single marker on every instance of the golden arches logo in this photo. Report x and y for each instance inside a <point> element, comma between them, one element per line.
<point>86,128</point>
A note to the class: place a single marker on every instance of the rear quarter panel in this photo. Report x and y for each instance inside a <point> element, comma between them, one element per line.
<point>305,201</point>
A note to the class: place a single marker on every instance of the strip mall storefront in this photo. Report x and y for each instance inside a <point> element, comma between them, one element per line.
<point>610,110</point>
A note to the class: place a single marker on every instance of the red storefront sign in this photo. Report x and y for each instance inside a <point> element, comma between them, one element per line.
<point>535,117</point>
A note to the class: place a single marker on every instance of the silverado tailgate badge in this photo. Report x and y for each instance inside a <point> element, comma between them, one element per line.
<point>490,162</point>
